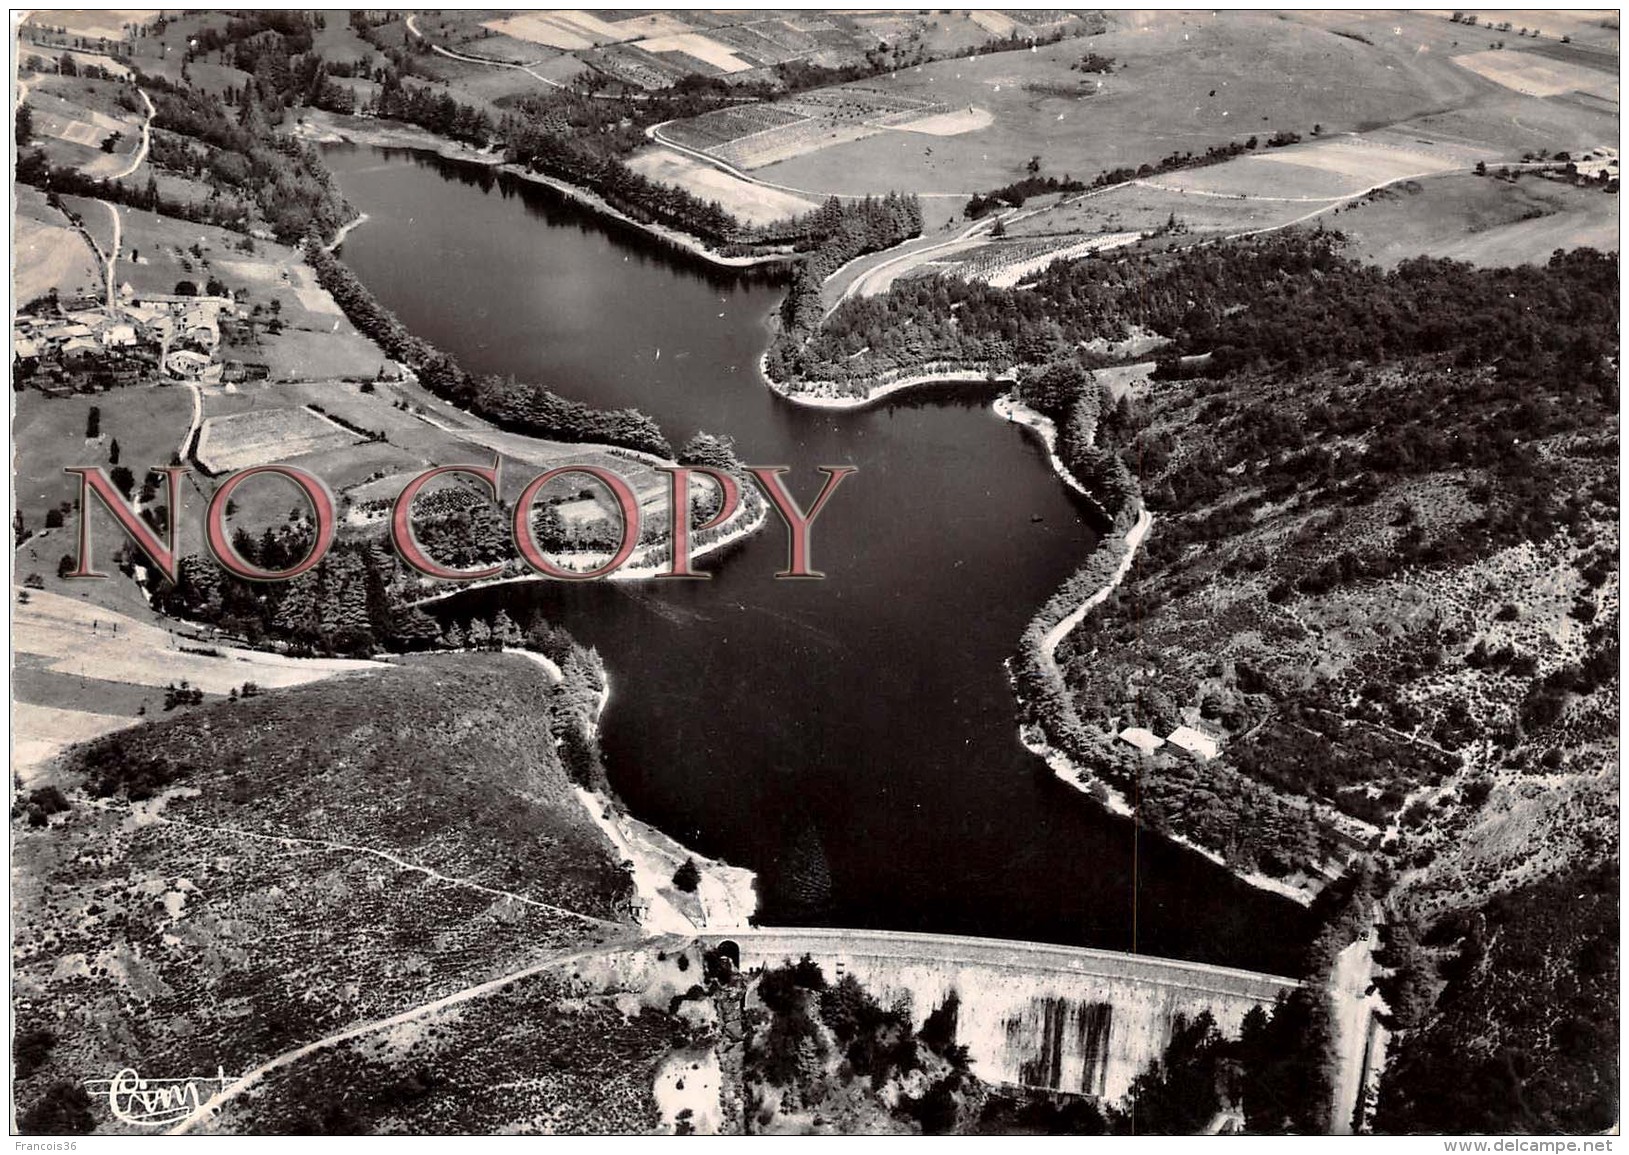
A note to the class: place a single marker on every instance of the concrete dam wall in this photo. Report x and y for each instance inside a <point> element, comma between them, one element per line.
<point>1059,1018</point>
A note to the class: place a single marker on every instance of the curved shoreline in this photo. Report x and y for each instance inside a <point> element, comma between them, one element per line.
<point>361,218</point>
<point>945,376</point>
<point>331,129</point>
<point>640,571</point>
<point>675,238</point>
<point>1006,406</point>
<point>726,897</point>
<point>1033,736</point>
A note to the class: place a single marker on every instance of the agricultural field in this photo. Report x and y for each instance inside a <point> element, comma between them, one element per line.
<point>659,34</point>
<point>717,129</point>
<point>227,444</point>
<point>1181,81</point>
<point>724,43</point>
<point>1483,220</point>
<point>1531,74</point>
<point>1309,183</point>
<point>756,136</point>
<point>1005,264</point>
<point>100,103</point>
<point>654,50</point>
<point>412,431</point>
<point>1326,169</point>
<point>48,433</point>
<point>40,730</point>
<point>313,426</point>
<point>496,89</point>
<point>104,25</point>
<point>159,51</point>
<point>1368,177</point>
<point>48,253</point>
<point>39,58</point>
<point>1393,619</point>
<point>95,221</point>
<point>86,668</point>
<point>873,272</point>
<point>79,122</point>
<point>752,203</point>
<point>1143,208</point>
<point>175,188</point>
<point>569,30</point>
<point>159,252</point>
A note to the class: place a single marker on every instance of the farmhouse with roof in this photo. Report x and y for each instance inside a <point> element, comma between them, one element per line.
<point>1145,740</point>
<point>1196,742</point>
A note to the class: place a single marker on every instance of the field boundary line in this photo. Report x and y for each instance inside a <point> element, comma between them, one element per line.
<point>654,134</point>
<point>412,26</point>
<point>323,416</point>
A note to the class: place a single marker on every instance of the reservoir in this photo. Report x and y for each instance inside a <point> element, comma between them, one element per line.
<point>851,740</point>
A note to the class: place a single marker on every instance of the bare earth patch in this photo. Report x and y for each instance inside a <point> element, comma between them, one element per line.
<point>1533,75</point>
<point>568,30</point>
<point>696,45</point>
<point>749,202</point>
<point>951,123</point>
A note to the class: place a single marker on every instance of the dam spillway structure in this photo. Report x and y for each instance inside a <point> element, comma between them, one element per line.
<point>1065,1019</point>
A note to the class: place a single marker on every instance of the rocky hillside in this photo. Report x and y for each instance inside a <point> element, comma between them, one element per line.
<point>1383,580</point>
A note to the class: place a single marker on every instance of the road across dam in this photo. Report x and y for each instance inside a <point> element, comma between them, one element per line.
<point>1053,1017</point>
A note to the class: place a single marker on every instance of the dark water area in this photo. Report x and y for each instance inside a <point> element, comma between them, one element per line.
<point>851,740</point>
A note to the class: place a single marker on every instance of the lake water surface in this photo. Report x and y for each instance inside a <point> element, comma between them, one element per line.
<point>851,740</point>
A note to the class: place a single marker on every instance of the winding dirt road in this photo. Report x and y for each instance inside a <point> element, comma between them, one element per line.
<point>213,1105</point>
<point>140,154</point>
<point>412,26</point>
<point>136,160</point>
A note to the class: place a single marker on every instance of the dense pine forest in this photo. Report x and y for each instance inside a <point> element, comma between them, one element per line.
<point>1289,300</point>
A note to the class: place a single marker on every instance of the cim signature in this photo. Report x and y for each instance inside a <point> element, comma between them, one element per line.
<point>157,1102</point>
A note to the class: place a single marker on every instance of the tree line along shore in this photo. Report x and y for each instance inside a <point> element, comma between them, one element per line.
<point>1324,443</point>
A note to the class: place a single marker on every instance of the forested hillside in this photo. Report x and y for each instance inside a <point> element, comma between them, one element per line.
<point>1289,300</point>
<point>254,177</point>
<point>1383,577</point>
<point>1523,1039</point>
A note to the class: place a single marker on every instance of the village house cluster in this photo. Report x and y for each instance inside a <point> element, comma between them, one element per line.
<point>81,346</point>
